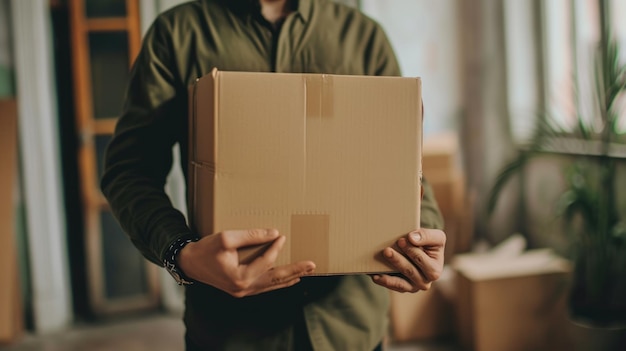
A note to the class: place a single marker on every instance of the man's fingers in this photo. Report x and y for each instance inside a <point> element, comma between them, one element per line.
<point>271,279</point>
<point>398,284</point>
<point>260,275</point>
<point>265,274</point>
<point>427,237</point>
<point>421,260</point>
<point>266,261</point>
<point>283,276</point>
<point>413,276</point>
<point>234,239</point>
<point>279,286</point>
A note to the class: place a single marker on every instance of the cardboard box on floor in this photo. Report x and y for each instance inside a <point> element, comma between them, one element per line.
<point>333,162</point>
<point>423,316</point>
<point>442,167</point>
<point>428,315</point>
<point>11,311</point>
<point>510,303</point>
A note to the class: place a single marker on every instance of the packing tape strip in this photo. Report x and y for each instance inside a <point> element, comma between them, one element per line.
<point>310,239</point>
<point>319,94</point>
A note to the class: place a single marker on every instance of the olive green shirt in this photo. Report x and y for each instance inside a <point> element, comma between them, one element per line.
<point>184,43</point>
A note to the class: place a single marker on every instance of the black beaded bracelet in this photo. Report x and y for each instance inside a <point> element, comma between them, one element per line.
<point>170,259</point>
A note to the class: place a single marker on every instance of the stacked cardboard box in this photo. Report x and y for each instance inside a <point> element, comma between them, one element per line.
<point>429,315</point>
<point>443,169</point>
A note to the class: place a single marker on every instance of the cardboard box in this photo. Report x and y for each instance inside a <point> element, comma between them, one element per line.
<point>442,152</point>
<point>11,310</point>
<point>511,303</point>
<point>423,316</point>
<point>441,162</point>
<point>333,162</point>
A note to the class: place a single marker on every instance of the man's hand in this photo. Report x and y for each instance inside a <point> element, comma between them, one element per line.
<point>418,257</point>
<point>214,260</point>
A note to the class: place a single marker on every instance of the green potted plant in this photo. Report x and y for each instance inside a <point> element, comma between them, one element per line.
<point>595,228</point>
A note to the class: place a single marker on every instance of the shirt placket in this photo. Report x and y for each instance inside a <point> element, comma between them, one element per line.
<point>284,45</point>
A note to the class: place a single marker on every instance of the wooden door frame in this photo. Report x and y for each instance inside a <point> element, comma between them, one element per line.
<point>88,127</point>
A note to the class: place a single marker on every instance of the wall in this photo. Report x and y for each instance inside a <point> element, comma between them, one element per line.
<point>39,160</point>
<point>424,35</point>
<point>6,60</point>
<point>7,91</point>
<point>544,183</point>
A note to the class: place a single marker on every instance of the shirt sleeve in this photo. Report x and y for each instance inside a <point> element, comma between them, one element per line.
<point>383,62</point>
<point>139,156</point>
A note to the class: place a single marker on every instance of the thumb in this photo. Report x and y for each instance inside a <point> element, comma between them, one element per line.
<point>234,239</point>
<point>427,237</point>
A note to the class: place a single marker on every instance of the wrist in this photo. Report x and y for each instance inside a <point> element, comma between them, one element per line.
<point>173,258</point>
<point>184,258</point>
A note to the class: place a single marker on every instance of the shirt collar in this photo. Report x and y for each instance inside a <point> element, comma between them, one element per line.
<point>304,9</point>
<point>252,7</point>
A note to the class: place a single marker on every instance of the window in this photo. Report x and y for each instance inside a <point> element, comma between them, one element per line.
<point>569,35</point>
<point>572,38</point>
<point>424,35</point>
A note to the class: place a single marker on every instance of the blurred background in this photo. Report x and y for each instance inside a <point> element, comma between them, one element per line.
<point>523,143</point>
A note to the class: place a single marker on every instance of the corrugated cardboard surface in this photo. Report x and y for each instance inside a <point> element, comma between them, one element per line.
<point>427,315</point>
<point>333,162</point>
<point>11,323</point>
<point>515,304</point>
<point>442,166</point>
<point>520,313</point>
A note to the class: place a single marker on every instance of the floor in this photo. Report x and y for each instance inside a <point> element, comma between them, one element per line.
<point>154,333</point>
<point>145,333</point>
<point>161,332</point>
